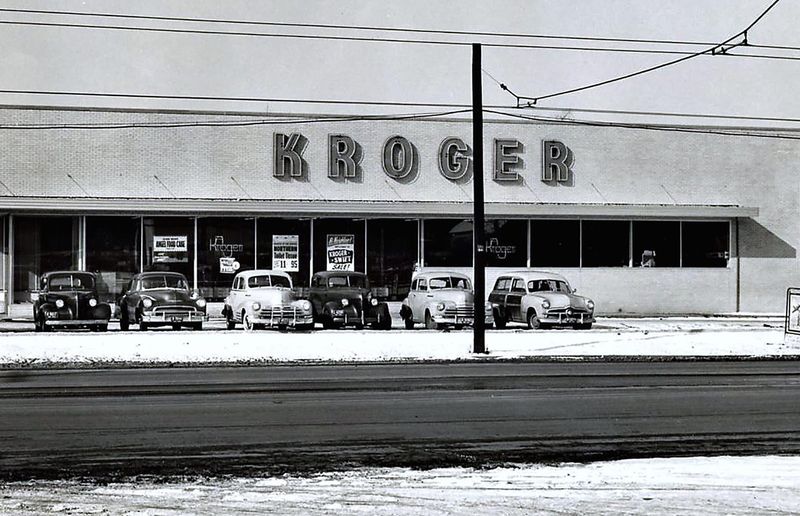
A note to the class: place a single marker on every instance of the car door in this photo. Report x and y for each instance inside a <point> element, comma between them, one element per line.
<point>412,299</point>
<point>498,294</point>
<point>315,294</point>
<point>235,297</point>
<point>132,298</point>
<point>514,299</point>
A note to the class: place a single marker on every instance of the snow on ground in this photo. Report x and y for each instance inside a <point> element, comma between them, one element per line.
<point>621,336</point>
<point>699,485</point>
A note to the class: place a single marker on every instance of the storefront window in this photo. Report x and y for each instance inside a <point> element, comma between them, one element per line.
<point>112,252</point>
<point>506,243</point>
<point>605,243</point>
<point>42,244</point>
<point>285,244</point>
<point>338,245</point>
<point>706,244</point>
<point>225,245</point>
<point>448,243</point>
<point>391,254</point>
<point>169,245</point>
<point>656,244</point>
<point>555,243</point>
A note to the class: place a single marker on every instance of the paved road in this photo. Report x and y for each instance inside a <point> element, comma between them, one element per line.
<point>218,420</point>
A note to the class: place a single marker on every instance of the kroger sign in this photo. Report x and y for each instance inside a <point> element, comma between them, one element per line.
<point>399,158</point>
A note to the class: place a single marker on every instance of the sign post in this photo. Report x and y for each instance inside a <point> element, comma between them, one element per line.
<point>479,255</point>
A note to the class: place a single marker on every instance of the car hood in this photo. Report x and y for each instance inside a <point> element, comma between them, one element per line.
<point>453,295</point>
<point>270,296</point>
<point>561,300</point>
<point>349,293</point>
<point>168,296</point>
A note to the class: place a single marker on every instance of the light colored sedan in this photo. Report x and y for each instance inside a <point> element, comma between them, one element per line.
<point>441,299</point>
<point>540,299</point>
<point>264,298</point>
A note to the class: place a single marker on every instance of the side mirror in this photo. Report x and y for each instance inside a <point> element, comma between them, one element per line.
<point>574,290</point>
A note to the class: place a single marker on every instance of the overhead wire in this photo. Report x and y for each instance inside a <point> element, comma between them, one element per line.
<point>722,48</point>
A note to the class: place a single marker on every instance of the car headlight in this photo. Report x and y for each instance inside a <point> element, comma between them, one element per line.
<point>256,305</point>
<point>345,302</point>
<point>93,302</point>
<point>59,303</point>
<point>440,306</point>
<point>147,303</point>
<point>374,302</point>
<point>305,305</point>
<point>201,302</point>
<point>488,306</point>
<point>545,304</point>
<point>590,304</point>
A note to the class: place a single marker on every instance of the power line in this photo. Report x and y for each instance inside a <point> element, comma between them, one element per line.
<point>373,39</point>
<point>408,30</point>
<point>720,48</point>
<point>393,104</point>
<point>227,123</point>
<point>649,127</point>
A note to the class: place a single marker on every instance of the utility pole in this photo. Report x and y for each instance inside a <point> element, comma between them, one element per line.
<point>478,238</point>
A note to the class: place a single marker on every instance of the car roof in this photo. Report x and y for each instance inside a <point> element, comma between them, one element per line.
<point>50,273</point>
<point>528,275</point>
<point>160,273</point>
<point>327,274</point>
<point>262,272</point>
<point>428,274</point>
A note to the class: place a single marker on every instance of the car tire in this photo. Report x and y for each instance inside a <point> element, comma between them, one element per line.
<point>584,326</point>
<point>230,322</point>
<point>409,323</point>
<point>198,326</point>
<point>304,327</point>
<point>124,322</point>
<point>247,322</point>
<point>36,326</point>
<point>386,319</point>
<point>533,320</point>
<point>327,320</point>
<point>143,326</point>
<point>102,327</point>
<point>499,321</point>
<point>429,322</point>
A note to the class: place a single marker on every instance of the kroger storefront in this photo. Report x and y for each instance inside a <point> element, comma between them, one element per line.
<point>643,221</point>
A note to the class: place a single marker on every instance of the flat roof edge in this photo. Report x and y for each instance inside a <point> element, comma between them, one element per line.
<point>305,208</point>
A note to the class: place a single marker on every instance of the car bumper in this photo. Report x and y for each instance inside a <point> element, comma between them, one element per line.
<point>299,320</point>
<point>460,320</point>
<point>351,316</point>
<point>74,322</point>
<point>567,320</point>
<point>174,318</point>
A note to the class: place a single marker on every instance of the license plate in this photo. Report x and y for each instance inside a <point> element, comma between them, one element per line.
<point>176,318</point>
<point>465,321</point>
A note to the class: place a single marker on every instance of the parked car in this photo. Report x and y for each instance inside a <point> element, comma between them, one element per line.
<point>540,299</point>
<point>68,299</point>
<point>441,299</point>
<point>344,298</point>
<point>161,299</point>
<point>264,298</point>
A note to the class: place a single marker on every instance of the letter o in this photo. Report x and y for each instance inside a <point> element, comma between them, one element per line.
<point>398,157</point>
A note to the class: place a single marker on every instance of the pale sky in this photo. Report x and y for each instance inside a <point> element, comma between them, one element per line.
<point>80,59</point>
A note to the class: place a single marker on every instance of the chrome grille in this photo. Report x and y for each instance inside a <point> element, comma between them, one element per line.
<point>278,312</point>
<point>174,311</point>
<point>460,311</point>
<point>568,311</point>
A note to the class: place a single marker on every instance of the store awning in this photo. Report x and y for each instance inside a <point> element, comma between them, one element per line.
<point>361,209</point>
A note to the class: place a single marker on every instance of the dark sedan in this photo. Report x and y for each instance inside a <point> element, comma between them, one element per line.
<point>161,299</point>
<point>341,298</point>
<point>68,299</point>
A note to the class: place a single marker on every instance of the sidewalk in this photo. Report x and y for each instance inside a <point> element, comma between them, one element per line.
<point>688,337</point>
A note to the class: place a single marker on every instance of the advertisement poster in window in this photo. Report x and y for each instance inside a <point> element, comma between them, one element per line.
<point>341,252</point>
<point>286,253</point>
<point>170,249</point>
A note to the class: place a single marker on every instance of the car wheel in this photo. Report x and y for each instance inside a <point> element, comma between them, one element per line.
<point>327,321</point>
<point>386,319</point>
<point>533,320</point>
<point>230,323</point>
<point>304,327</point>
<point>36,326</point>
<point>429,322</point>
<point>247,322</point>
<point>124,322</point>
<point>176,327</point>
<point>198,326</point>
<point>409,323</point>
<point>102,327</point>
<point>585,326</point>
<point>499,321</point>
<point>143,326</point>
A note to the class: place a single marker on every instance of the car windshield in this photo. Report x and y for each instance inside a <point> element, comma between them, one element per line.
<point>166,281</point>
<point>549,285</point>
<point>268,281</point>
<point>347,281</point>
<point>71,282</point>
<point>448,282</point>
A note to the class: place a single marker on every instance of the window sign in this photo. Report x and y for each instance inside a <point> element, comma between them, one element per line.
<point>286,253</point>
<point>170,249</point>
<point>341,252</point>
<point>792,311</point>
<point>228,264</point>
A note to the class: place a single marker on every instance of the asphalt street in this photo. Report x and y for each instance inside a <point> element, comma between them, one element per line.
<point>110,422</point>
